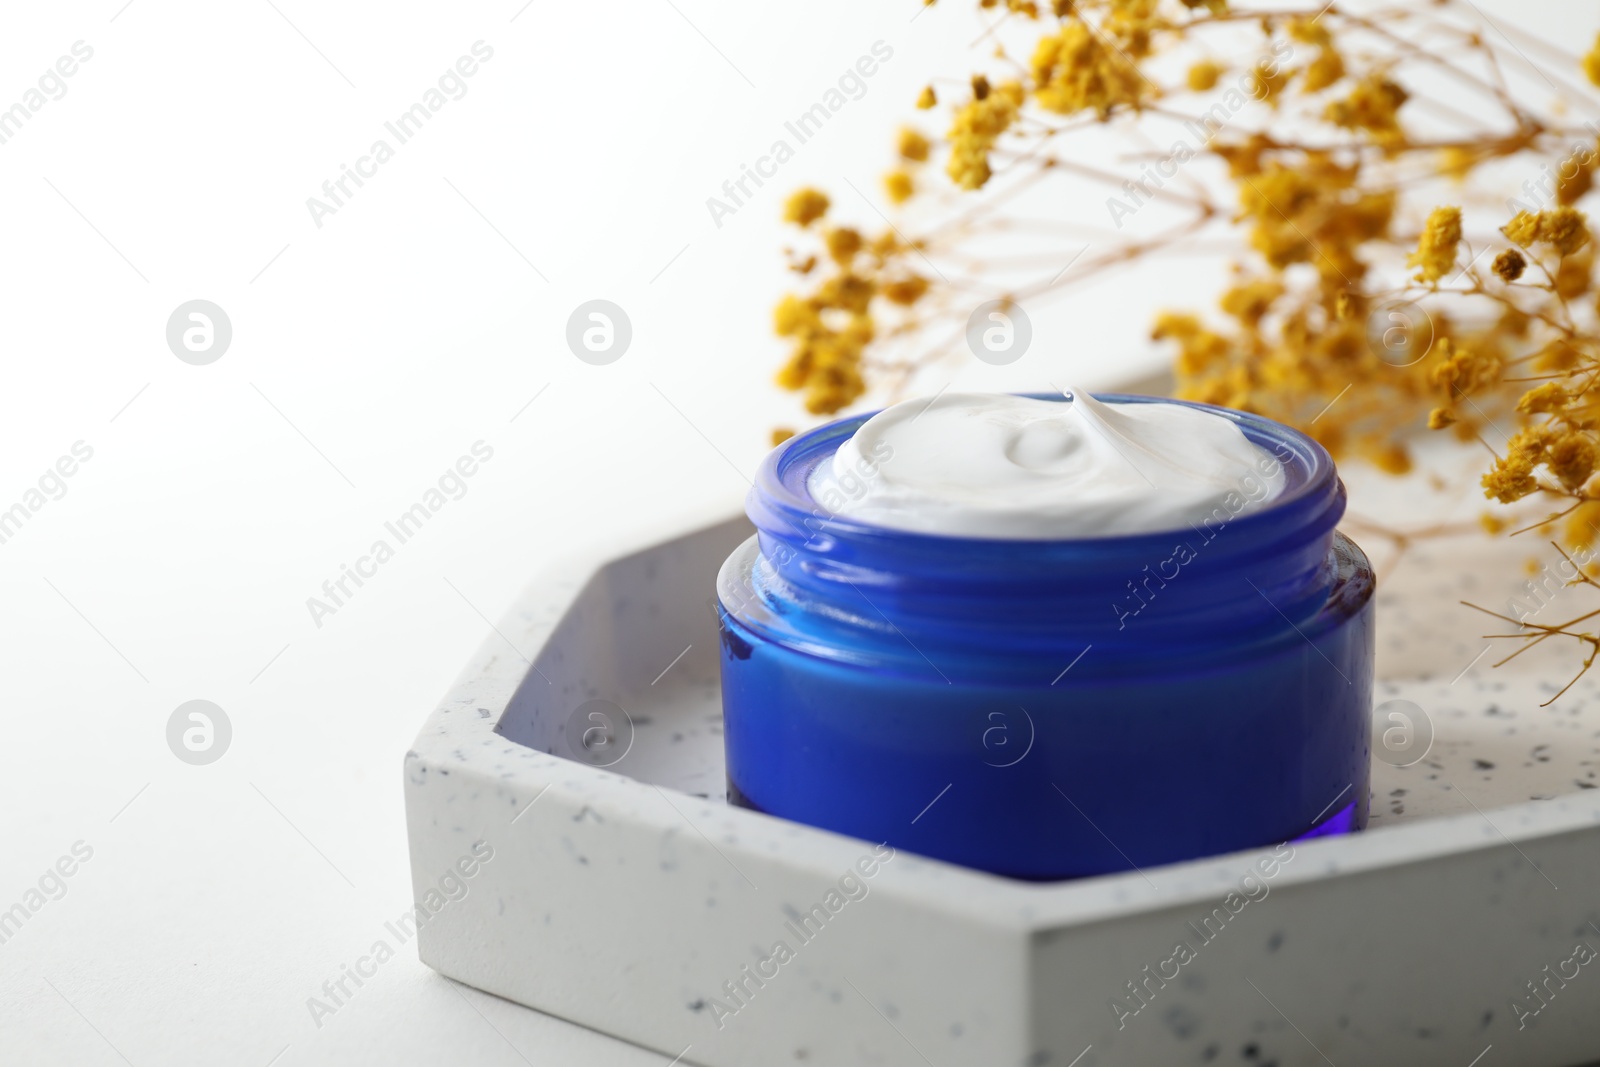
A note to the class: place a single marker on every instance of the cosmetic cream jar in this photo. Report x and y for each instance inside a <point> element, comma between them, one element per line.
<point>1047,708</point>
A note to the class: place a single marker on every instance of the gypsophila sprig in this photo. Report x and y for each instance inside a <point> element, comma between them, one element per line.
<point>1387,279</point>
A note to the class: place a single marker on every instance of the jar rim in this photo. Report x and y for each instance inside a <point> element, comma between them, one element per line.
<point>781,495</point>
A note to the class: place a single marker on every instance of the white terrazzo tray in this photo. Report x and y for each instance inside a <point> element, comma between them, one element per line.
<point>631,897</point>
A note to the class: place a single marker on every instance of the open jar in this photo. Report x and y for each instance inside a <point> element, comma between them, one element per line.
<point>1048,709</point>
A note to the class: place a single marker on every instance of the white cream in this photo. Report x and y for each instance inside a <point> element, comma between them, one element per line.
<point>997,466</point>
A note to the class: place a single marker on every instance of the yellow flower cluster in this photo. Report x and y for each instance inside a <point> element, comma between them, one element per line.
<point>1566,455</point>
<point>805,207</point>
<point>899,185</point>
<point>1289,350</point>
<point>1328,66</point>
<point>1250,302</point>
<point>1436,250</point>
<point>1509,265</point>
<point>1575,176</point>
<point>913,148</point>
<point>976,128</point>
<point>1373,106</point>
<point>1461,372</point>
<point>1203,75</point>
<point>1318,326</point>
<point>1075,71</point>
<point>1563,228</point>
<point>830,327</point>
<point>1311,212</point>
<point>826,361</point>
<point>1199,349</point>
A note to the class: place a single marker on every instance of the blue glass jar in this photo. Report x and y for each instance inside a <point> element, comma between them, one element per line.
<point>1052,709</point>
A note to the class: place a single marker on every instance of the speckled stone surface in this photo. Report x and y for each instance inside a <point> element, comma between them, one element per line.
<point>1494,744</point>
<point>631,898</point>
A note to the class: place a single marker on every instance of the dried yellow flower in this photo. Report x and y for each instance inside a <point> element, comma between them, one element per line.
<point>1575,176</point>
<point>1558,356</point>
<point>1439,418</point>
<point>1509,265</point>
<point>1309,30</point>
<point>1131,26</point>
<point>977,126</point>
<point>805,206</point>
<point>1323,71</point>
<point>899,187</point>
<point>1073,71</point>
<point>1583,525</point>
<point>848,292</point>
<point>1565,228</point>
<point>1575,274</point>
<point>1249,302</point>
<point>1591,62</point>
<point>1571,458</point>
<point>1462,371</point>
<point>1302,213</point>
<point>1373,105</point>
<point>825,362</point>
<point>780,435</point>
<point>1551,396</point>
<point>843,244</point>
<point>927,98</point>
<point>912,145</point>
<point>1204,74</point>
<point>1199,349</point>
<point>1457,162</point>
<point>906,291</point>
<point>1523,229</point>
<point>1513,322</point>
<point>793,316</point>
<point>1569,455</point>
<point>1179,324</point>
<point>1391,458</point>
<point>1511,477</point>
<point>1268,81</point>
<point>1244,160</point>
<point>1436,249</point>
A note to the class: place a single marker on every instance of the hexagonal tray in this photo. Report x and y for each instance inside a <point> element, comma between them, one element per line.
<point>631,898</point>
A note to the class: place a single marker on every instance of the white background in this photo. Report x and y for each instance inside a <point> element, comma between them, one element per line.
<point>367,355</point>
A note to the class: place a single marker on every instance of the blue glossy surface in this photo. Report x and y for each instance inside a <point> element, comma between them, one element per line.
<point>1051,709</point>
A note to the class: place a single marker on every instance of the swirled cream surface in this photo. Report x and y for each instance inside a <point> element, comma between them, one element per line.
<point>999,466</point>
